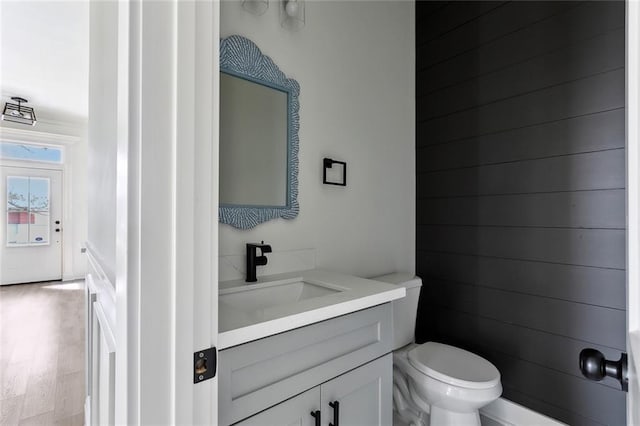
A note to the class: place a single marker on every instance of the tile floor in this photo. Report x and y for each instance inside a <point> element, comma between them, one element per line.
<point>42,344</point>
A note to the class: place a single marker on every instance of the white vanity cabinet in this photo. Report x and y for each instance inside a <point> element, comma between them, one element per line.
<point>295,411</point>
<point>364,395</point>
<point>359,397</point>
<point>281,379</point>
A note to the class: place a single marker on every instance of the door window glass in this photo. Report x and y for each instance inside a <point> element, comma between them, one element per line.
<point>27,211</point>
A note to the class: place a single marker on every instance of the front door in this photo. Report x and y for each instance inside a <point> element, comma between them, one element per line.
<point>31,230</point>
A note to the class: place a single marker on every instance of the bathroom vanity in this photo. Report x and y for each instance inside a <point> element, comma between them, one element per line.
<point>308,348</point>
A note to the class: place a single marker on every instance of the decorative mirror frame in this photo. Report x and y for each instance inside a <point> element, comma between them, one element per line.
<point>239,56</point>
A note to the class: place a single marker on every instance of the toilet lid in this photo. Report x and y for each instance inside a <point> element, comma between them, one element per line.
<point>454,366</point>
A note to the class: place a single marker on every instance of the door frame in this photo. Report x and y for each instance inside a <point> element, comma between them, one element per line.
<point>633,206</point>
<point>167,166</point>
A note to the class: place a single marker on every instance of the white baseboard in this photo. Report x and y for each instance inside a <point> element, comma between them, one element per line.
<point>72,277</point>
<point>503,412</point>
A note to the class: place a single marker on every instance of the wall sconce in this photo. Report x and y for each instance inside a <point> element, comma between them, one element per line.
<point>18,113</point>
<point>257,7</point>
<point>292,14</point>
<point>339,175</point>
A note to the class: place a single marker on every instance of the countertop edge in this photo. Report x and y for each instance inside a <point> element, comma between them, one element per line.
<point>228,339</point>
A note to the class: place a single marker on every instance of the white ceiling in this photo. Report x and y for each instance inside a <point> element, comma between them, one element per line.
<point>45,56</point>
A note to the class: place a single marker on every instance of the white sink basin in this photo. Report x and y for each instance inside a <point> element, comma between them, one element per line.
<point>257,297</point>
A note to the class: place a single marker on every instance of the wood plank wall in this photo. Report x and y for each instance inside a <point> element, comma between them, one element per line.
<point>521,193</point>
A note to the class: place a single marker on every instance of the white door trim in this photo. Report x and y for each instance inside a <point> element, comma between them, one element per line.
<point>166,214</point>
<point>633,207</point>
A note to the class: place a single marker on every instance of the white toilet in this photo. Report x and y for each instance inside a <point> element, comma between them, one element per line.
<point>433,383</point>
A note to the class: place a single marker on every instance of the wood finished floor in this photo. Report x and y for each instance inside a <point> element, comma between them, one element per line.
<point>42,354</point>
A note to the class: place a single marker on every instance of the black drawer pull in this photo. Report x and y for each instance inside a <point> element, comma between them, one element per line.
<point>336,413</point>
<point>316,416</point>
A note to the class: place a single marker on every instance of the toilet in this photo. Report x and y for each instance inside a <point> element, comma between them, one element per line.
<point>433,383</point>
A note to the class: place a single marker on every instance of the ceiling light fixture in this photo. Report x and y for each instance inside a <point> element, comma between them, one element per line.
<point>18,113</point>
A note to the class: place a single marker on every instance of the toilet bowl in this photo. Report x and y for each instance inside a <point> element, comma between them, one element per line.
<point>434,383</point>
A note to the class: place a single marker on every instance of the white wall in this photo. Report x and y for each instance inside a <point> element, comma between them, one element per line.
<point>44,55</point>
<point>103,67</point>
<point>355,65</point>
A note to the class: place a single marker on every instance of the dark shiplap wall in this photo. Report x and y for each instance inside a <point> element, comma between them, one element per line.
<point>520,193</point>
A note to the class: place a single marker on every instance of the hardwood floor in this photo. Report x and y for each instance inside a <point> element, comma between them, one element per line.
<point>42,345</point>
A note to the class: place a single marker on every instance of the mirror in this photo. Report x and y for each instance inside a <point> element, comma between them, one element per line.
<point>253,143</point>
<point>258,137</point>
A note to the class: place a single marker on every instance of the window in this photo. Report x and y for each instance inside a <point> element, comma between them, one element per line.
<point>30,152</point>
<point>27,211</point>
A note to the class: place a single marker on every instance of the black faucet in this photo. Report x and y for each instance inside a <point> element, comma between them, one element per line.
<point>253,260</point>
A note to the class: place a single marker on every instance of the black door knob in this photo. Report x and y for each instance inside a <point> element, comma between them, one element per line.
<point>594,366</point>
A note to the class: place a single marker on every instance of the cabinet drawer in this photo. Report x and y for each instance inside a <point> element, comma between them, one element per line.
<point>260,374</point>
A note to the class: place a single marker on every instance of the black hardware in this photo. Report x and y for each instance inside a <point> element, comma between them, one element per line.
<point>316,416</point>
<point>57,229</point>
<point>204,364</point>
<point>328,163</point>
<point>594,366</point>
<point>336,413</point>
<point>254,260</point>
<point>57,222</point>
<point>19,113</point>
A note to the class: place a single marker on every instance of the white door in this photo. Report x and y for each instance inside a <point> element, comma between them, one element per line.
<point>31,238</point>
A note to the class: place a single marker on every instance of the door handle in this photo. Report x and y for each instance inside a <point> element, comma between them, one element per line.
<point>594,366</point>
<point>336,413</point>
<point>316,416</point>
<point>57,229</point>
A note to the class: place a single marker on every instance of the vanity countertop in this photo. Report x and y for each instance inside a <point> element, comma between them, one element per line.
<point>346,294</point>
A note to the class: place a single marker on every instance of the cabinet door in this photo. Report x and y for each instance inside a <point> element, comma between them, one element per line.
<point>364,395</point>
<point>295,411</point>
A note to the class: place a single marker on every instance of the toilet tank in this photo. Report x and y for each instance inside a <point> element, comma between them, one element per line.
<point>405,309</point>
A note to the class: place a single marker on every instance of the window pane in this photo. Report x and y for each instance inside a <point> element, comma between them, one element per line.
<point>39,210</point>
<point>27,211</point>
<point>18,151</point>
<point>17,210</point>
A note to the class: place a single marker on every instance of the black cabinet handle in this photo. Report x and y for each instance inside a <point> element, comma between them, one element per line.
<point>336,413</point>
<point>316,416</point>
<point>594,366</point>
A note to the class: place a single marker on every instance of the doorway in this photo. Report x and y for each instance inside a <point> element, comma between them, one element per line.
<point>31,247</point>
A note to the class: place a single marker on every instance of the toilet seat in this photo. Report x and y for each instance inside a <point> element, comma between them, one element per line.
<point>454,366</point>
